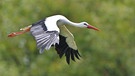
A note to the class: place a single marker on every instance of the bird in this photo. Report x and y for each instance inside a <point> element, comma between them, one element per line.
<point>52,32</point>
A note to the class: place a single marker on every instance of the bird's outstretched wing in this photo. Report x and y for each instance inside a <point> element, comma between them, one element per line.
<point>64,42</point>
<point>44,39</point>
<point>67,45</point>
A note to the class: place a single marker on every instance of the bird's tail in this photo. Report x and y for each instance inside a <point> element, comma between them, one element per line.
<point>23,30</point>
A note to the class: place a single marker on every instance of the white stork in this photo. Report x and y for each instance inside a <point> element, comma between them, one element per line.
<point>52,31</point>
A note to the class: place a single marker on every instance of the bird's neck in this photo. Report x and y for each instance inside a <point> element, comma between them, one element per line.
<point>68,22</point>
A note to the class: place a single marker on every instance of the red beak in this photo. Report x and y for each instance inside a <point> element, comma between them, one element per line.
<point>92,27</point>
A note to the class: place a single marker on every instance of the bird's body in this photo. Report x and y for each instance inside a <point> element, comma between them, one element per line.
<point>51,22</point>
<point>52,31</point>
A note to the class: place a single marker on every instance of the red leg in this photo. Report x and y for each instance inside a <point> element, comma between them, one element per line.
<point>13,34</point>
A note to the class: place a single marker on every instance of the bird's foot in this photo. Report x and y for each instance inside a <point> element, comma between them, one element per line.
<point>23,30</point>
<point>13,34</point>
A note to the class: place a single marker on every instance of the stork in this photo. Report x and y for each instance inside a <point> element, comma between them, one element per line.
<point>51,31</point>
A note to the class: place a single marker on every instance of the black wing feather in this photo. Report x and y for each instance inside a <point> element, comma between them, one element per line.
<point>63,48</point>
<point>45,39</point>
<point>72,55</point>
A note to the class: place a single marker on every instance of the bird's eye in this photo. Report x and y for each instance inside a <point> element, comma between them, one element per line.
<point>85,24</point>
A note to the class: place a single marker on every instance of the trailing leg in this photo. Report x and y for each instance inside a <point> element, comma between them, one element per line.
<point>23,30</point>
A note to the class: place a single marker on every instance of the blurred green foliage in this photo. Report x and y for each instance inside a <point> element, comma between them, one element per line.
<point>110,52</point>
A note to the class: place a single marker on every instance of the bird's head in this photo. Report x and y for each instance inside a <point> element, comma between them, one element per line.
<point>85,24</point>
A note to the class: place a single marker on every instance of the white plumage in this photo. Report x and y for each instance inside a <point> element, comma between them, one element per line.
<point>52,31</point>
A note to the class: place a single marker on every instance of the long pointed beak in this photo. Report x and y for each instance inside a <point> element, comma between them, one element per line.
<point>92,27</point>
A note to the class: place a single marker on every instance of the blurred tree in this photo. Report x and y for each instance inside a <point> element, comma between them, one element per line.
<point>109,52</point>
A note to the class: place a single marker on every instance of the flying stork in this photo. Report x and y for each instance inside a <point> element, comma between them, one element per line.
<point>52,31</point>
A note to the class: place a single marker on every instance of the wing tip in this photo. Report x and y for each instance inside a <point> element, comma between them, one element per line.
<point>72,55</point>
